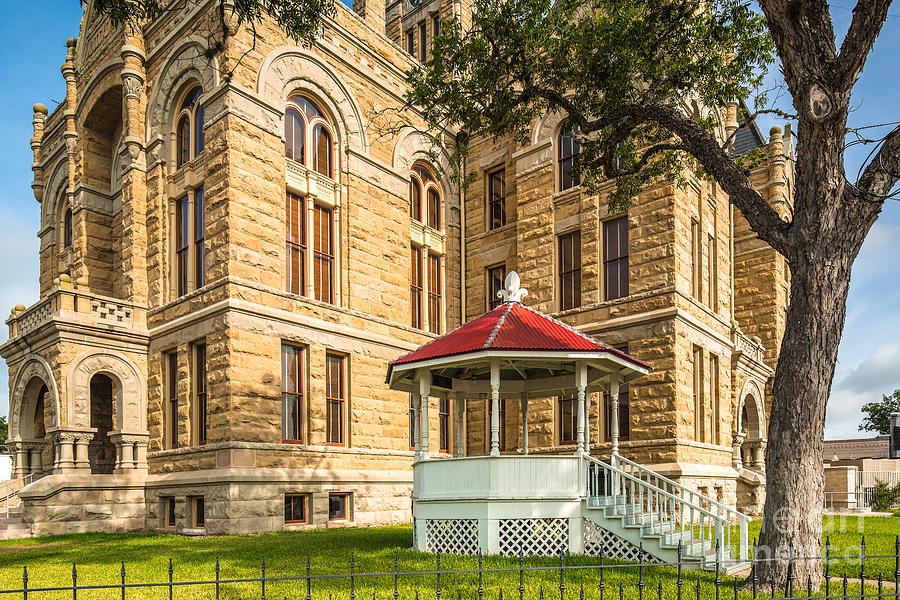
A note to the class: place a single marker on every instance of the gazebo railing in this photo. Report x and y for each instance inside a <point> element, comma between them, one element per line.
<point>666,506</point>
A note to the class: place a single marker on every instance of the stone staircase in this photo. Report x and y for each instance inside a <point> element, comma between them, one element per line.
<point>13,525</point>
<point>662,518</point>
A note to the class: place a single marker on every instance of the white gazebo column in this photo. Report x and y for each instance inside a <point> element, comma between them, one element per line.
<point>460,424</point>
<point>614,412</point>
<point>580,385</point>
<point>495,408</point>
<point>524,422</point>
<point>424,377</point>
<point>417,425</point>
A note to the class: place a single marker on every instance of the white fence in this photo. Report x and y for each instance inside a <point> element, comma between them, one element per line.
<point>867,480</point>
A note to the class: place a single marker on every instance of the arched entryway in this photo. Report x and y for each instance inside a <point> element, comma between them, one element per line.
<point>32,413</point>
<point>750,434</point>
<point>102,451</point>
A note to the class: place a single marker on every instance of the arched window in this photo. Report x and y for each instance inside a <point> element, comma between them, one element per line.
<point>569,148</point>
<point>305,127</point>
<point>189,140</point>
<point>422,185</point>
<point>67,227</point>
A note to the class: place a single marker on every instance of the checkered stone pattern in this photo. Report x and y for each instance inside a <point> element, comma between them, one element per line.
<point>451,536</point>
<point>534,537</point>
<point>597,539</point>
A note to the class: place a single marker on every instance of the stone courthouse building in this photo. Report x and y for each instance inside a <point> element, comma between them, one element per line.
<point>232,250</point>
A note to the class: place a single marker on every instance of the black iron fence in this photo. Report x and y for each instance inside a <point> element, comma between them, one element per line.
<point>568,578</point>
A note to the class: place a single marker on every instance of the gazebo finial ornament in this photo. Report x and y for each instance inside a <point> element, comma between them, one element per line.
<point>514,292</point>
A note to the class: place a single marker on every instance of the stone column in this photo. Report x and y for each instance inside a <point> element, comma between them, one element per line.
<point>524,422</point>
<point>65,451</point>
<point>580,384</point>
<point>82,441</point>
<point>495,408</point>
<point>124,452</point>
<point>736,444</point>
<point>614,411</point>
<point>20,459</point>
<point>34,460</point>
<point>759,455</point>
<point>140,452</point>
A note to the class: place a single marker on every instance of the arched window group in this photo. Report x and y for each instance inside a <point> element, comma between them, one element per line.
<point>567,154</point>
<point>189,140</point>
<point>307,135</point>
<point>423,188</point>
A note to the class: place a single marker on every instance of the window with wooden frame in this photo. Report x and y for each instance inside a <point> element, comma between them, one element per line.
<point>293,386</point>
<point>305,127</point>
<point>171,436</point>
<point>198,506</point>
<point>714,422</point>
<point>502,417</point>
<point>496,208</point>
<point>434,292</point>
<point>295,508</point>
<point>444,423</point>
<point>567,416</point>
<point>496,278</point>
<point>335,399</point>
<point>615,257</point>
<point>624,408</point>
<point>435,26</point>
<point>189,137</point>
<point>200,398</point>
<point>697,383</point>
<point>323,253</point>
<point>295,243</point>
<point>411,42</point>
<point>67,228</point>
<point>339,507</point>
<point>415,286</point>
<point>696,260</point>
<point>423,42</point>
<point>423,187</point>
<point>568,149</point>
<point>170,511</point>
<point>570,270</point>
<point>190,256</point>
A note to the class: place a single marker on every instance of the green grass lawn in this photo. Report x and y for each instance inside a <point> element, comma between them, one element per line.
<point>98,559</point>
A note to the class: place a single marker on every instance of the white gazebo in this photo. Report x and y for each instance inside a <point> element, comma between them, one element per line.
<point>542,504</point>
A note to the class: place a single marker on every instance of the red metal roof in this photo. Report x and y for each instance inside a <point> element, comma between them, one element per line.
<point>511,326</point>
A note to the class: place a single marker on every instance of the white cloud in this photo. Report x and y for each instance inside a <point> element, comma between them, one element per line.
<point>877,374</point>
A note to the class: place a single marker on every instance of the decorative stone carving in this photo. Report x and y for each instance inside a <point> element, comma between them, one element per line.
<point>35,367</point>
<point>128,385</point>
<point>132,86</point>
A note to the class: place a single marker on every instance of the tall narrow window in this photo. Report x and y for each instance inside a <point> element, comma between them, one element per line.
<point>412,421</point>
<point>411,42</point>
<point>434,208</point>
<point>624,408</point>
<point>496,277</point>
<point>570,270</point>
<point>696,260</point>
<point>436,27</point>
<point>502,417</point>
<point>67,228</point>
<point>497,199</point>
<point>444,423</point>
<point>415,286</point>
<point>335,399</point>
<point>295,243</point>
<point>323,254</point>
<point>423,42</point>
<point>697,386</point>
<point>182,235</point>
<point>189,136</point>
<point>434,292</point>
<point>615,257</point>
<point>172,397</point>
<point>567,156</point>
<point>305,126</point>
<point>714,424</point>
<point>199,237</point>
<point>415,199</point>
<point>712,272</point>
<point>200,390</point>
<point>566,417</point>
<point>291,393</point>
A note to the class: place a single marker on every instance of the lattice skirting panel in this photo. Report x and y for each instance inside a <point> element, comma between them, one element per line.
<point>451,536</point>
<point>534,537</point>
<point>597,539</point>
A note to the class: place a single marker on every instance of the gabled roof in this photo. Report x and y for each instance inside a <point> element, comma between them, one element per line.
<point>512,326</point>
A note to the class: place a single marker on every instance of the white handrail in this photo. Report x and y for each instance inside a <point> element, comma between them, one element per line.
<point>10,489</point>
<point>666,504</point>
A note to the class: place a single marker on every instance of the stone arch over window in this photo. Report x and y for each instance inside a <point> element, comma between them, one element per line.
<point>188,124</point>
<point>278,80</point>
<point>128,390</point>
<point>425,200</point>
<point>185,65</point>
<point>34,375</point>
<point>308,135</point>
<point>411,149</point>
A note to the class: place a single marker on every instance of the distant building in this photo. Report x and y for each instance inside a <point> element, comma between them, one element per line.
<point>854,448</point>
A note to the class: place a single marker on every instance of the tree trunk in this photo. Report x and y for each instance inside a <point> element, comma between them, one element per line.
<point>795,480</point>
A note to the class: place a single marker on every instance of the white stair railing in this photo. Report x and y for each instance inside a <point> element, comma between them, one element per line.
<point>667,506</point>
<point>9,490</point>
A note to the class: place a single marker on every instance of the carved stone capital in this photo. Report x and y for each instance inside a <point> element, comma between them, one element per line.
<point>132,86</point>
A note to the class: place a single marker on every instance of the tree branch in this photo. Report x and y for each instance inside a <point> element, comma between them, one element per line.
<point>868,18</point>
<point>804,39</point>
<point>883,171</point>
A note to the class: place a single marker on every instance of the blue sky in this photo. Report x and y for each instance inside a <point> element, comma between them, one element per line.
<point>869,356</point>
